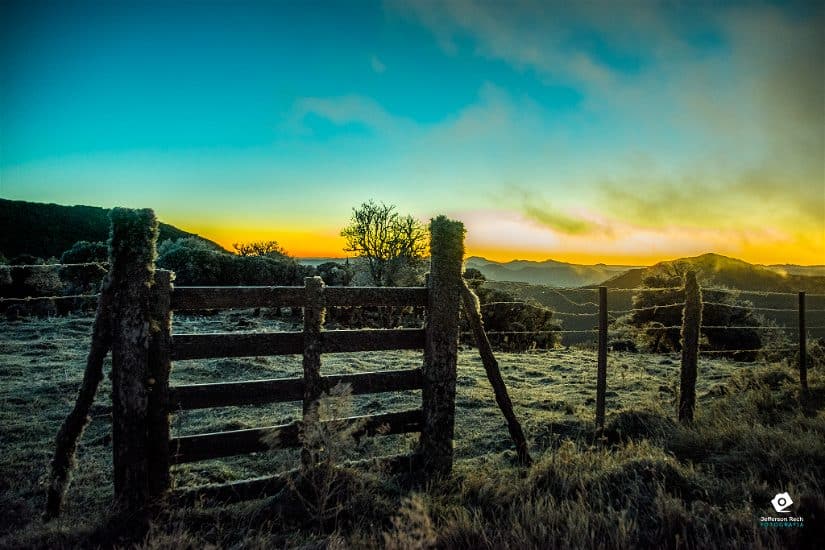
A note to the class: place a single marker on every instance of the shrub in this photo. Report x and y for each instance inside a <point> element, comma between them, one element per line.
<point>195,262</point>
<point>85,252</point>
<point>721,308</point>
<point>81,279</point>
<point>501,312</point>
<point>335,274</point>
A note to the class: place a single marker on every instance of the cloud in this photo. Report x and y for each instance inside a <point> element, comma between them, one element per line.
<point>350,109</point>
<point>559,221</point>
<point>377,65</point>
<point>528,34</point>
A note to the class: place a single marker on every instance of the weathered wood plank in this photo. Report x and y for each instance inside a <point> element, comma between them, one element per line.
<point>441,351</point>
<point>257,392</point>
<point>341,341</point>
<point>472,307</point>
<point>371,296</point>
<point>203,346</point>
<point>157,414</point>
<point>192,448</point>
<point>188,298</point>
<point>314,313</point>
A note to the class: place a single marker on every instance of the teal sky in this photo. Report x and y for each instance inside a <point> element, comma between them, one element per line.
<point>594,131</point>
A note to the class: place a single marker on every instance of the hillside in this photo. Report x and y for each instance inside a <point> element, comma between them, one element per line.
<point>718,270</point>
<point>47,230</point>
<point>548,272</point>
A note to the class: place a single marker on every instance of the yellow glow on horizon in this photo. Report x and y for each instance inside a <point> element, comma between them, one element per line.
<point>511,237</point>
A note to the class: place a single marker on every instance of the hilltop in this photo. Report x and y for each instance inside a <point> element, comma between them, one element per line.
<point>47,230</point>
<point>718,270</point>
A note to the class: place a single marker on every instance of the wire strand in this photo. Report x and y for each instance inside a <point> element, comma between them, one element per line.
<point>45,266</point>
<point>50,298</point>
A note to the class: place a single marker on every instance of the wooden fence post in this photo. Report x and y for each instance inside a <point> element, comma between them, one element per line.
<point>803,345</point>
<point>691,321</point>
<point>313,320</point>
<point>132,257</point>
<point>601,378</point>
<point>160,364</point>
<point>441,344</point>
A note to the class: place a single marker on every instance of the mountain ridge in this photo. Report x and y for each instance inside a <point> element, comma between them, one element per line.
<point>46,230</point>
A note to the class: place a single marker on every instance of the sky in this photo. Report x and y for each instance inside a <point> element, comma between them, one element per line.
<point>621,132</point>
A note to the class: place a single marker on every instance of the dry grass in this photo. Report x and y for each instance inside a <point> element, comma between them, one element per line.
<point>648,483</point>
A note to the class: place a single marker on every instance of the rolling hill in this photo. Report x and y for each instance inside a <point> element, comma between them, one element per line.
<point>548,272</point>
<point>47,230</point>
<point>718,270</point>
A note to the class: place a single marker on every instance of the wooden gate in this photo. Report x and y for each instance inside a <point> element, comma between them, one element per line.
<point>144,349</point>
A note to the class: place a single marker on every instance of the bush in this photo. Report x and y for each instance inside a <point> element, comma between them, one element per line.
<point>501,312</point>
<point>83,252</point>
<point>195,262</point>
<point>335,274</point>
<point>721,308</point>
<point>81,279</point>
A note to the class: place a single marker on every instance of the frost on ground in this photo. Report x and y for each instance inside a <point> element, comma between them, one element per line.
<point>553,392</point>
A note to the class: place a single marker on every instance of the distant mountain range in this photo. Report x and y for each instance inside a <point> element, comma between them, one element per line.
<point>712,268</point>
<point>548,272</point>
<point>47,230</point>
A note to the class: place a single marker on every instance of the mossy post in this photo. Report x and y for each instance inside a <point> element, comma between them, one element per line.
<point>160,363</point>
<point>691,321</point>
<point>314,313</point>
<point>132,271</point>
<point>74,424</point>
<point>441,347</point>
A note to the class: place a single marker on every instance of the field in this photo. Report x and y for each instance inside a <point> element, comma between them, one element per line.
<point>649,482</point>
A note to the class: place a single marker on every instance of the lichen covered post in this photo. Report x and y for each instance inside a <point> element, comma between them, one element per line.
<point>314,313</point>
<point>441,347</point>
<point>132,255</point>
<point>160,364</point>
<point>691,321</point>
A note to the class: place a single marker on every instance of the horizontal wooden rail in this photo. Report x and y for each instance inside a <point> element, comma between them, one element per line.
<point>342,341</point>
<point>371,296</point>
<point>257,392</point>
<point>203,346</point>
<point>260,487</point>
<point>226,297</point>
<point>227,344</point>
<point>193,298</point>
<point>192,448</point>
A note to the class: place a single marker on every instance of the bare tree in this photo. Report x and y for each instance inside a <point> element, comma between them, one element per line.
<point>388,241</point>
<point>260,248</point>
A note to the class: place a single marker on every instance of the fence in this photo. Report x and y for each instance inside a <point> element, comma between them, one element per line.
<point>691,325</point>
<point>135,312</point>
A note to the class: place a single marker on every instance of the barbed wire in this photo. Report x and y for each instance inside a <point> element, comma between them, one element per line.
<point>746,327</point>
<point>760,350</point>
<point>648,308</point>
<point>534,332</point>
<point>41,340</point>
<point>44,266</point>
<point>49,298</point>
<point>760,292</point>
<point>644,289</point>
